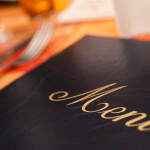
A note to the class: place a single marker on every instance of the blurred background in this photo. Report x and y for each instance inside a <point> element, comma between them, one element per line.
<point>72,20</point>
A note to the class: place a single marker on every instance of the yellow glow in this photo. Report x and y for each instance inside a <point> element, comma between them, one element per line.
<point>36,6</point>
<point>60,5</point>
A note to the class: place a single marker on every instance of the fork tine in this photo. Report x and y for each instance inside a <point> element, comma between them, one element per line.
<point>44,42</point>
<point>30,43</point>
<point>44,39</point>
<point>37,46</point>
<point>35,38</point>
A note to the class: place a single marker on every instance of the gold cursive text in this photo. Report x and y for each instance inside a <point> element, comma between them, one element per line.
<point>106,113</point>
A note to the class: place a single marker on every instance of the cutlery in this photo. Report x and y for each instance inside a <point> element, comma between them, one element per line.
<point>34,48</point>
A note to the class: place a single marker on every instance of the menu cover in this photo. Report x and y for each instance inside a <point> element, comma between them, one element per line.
<point>93,96</point>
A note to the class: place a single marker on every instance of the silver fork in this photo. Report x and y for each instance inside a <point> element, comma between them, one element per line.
<point>35,47</point>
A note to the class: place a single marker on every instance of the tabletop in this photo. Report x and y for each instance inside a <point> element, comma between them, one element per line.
<point>23,27</point>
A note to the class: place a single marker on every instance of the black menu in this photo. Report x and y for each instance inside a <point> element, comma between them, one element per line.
<point>95,95</point>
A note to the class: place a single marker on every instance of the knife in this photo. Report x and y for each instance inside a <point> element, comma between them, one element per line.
<point>14,50</point>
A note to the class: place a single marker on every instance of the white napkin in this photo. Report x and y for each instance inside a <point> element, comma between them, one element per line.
<point>86,10</point>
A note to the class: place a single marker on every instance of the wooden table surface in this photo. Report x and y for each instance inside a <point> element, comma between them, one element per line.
<point>22,27</point>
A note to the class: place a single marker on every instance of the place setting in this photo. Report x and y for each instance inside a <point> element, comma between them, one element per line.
<point>35,32</point>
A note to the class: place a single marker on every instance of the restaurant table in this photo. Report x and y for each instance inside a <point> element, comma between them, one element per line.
<point>22,27</point>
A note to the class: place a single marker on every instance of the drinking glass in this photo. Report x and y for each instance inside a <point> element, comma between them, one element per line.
<point>133,17</point>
